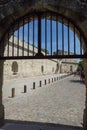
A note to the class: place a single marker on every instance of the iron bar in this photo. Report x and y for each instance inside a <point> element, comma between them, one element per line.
<point>62,37</point>
<point>80,44</point>
<point>33,35</point>
<point>13,41</point>
<point>51,34</point>
<point>39,35</point>
<point>45,35</point>
<point>68,40</point>
<point>18,41</point>
<point>2,48</point>
<point>42,57</point>
<point>74,42</point>
<point>28,36</point>
<point>57,34</point>
<point>8,46</point>
<point>23,39</point>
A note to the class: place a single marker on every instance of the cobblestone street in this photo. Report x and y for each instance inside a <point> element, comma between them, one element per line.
<point>60,102</point>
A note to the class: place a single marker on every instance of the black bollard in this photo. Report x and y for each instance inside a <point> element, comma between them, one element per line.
<point>33,85</point>
<point>25,88</point>
<point>40,83</point>
<point>45,82</point>
<point>49,81</point>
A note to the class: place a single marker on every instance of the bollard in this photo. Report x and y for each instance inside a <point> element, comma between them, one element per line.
<point>13,92</point>
<point>33,85</point>
<point>45,82</point>
<point>49,81</point>
<point>40,83</point>
<point>52,79</point>
<point>57,78</point>
<point>25,88</point>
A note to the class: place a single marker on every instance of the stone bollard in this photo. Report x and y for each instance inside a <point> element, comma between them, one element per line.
<point>25,88</point>
<point>33,85</point>
<point>13,92</point>
<point>40,83</point>
<point>45,82</point>
<point>49,81</point>
<point>52,80</point>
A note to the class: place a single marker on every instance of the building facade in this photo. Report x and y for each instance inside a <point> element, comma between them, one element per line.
<point>27,68</point>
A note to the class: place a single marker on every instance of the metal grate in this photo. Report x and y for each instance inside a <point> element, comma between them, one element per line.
<point>42,35</point>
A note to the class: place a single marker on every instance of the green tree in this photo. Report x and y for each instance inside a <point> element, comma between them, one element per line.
<point>81,66</point>
<point>45,51</point>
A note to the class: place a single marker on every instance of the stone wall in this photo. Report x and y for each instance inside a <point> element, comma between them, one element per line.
<point>26,68</point>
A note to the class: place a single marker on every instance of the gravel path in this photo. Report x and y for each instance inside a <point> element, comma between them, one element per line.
<point>61,102</point>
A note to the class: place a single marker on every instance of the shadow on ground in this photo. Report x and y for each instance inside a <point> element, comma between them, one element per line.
<point>77,81</point>
<point>26,125</point>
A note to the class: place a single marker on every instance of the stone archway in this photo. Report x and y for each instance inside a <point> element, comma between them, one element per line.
<point>77,14</point>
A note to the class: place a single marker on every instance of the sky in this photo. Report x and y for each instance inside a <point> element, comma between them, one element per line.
<point>49,36</point>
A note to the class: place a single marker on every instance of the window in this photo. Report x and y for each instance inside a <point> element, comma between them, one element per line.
<point>14,67</point>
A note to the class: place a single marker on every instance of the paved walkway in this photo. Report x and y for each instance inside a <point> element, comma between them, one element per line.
<point>61,102</point>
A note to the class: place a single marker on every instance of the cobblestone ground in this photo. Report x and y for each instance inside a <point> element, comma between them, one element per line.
<point>60,102</point>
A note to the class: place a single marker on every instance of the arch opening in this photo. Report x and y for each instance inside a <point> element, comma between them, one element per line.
<point>14,67</point>
<point>36,49</point>
<point>43,35</point>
